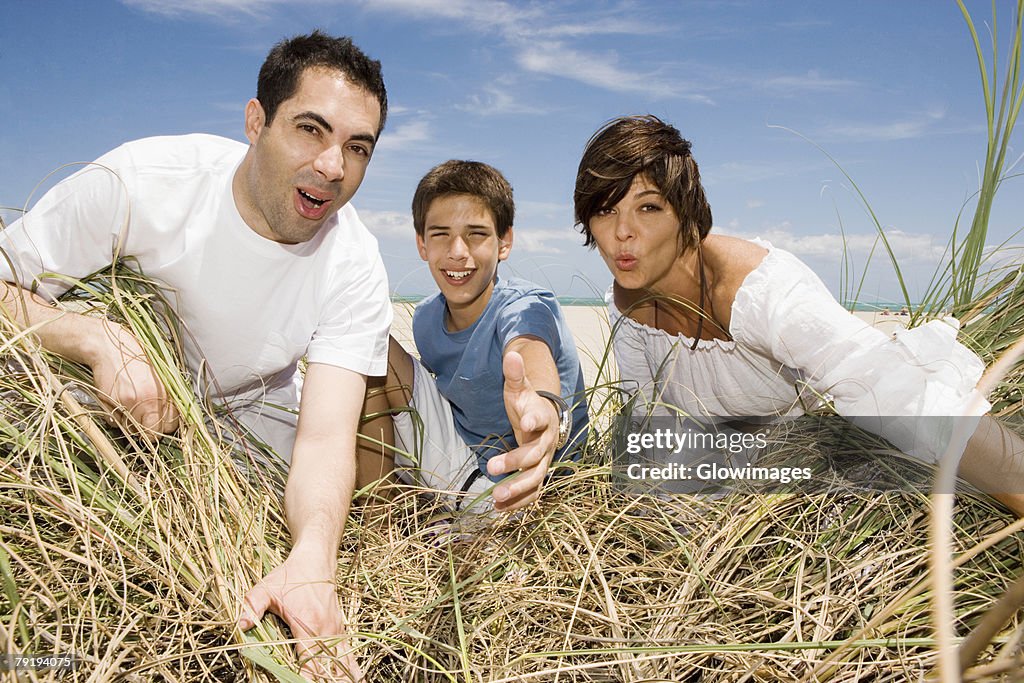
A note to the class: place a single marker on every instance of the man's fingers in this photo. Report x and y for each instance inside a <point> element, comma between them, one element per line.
<point>254,606</point>
<point>162,419</point>
<point>329,659</point>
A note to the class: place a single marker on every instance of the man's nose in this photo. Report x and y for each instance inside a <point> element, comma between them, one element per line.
<point>330,163</point>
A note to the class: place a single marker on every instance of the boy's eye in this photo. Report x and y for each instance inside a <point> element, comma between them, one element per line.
<point>650,207</point>
<point>603,212</point>
<point>308,128</point>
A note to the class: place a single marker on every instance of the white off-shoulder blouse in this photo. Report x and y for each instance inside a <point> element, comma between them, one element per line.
<point>793,349</point>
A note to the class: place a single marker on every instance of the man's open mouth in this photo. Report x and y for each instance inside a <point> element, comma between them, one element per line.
<point>315,201</point>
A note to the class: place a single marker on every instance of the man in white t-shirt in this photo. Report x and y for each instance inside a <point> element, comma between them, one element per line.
<point>265,261</point>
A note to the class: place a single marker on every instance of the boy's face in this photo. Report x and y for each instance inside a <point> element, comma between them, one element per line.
<point>460,244</point>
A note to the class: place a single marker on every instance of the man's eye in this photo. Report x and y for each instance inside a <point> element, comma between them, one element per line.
<point>650,207</point>
<point>360,150</point>
<point>307,128</point>
<point>603,212</point>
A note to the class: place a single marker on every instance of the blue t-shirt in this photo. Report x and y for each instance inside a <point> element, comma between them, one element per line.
<point>467,363</point>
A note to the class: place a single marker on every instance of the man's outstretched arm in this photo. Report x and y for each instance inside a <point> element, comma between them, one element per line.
<point>122,374</point>
<point>320,484</point>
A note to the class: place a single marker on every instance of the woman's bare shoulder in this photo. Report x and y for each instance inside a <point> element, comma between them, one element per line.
<point>731,259</point>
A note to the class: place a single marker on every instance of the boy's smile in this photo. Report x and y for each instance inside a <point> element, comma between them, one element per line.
<point>460,243</point>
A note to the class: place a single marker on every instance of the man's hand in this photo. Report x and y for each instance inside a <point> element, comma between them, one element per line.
<point>126,382</point>
<point>535,425</point>
<point>122,374</point>
<point>301,591</point>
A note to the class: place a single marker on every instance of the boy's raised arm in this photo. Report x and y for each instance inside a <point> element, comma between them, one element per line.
<point>528,366</point>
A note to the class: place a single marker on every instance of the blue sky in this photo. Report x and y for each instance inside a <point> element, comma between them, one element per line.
<point>889,89</point>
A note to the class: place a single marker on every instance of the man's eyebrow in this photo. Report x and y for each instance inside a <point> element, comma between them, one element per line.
<point>313,116</point>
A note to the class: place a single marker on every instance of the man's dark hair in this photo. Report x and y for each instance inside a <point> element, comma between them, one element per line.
<point>470,178</point>
<point>289,59</point>
<point>641,145</point>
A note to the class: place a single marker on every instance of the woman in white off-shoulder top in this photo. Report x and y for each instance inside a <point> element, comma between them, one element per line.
<point>710,325</point>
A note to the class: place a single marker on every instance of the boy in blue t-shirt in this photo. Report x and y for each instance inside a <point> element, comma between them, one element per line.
<point>498,388</point>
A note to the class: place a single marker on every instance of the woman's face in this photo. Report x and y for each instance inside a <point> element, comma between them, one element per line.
<point>639,238</point>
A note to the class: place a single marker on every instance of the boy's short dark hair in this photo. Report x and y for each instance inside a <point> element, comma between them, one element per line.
<point>641,145</point>
<point>290,58</point>
<point>472,178</point>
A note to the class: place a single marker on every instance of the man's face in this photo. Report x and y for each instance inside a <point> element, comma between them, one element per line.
<point>303,167</point>
<point>460,244</point>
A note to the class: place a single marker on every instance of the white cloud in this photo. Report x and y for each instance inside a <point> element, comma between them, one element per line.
<point>922,124</point>
<point>607,26</point>
<point>527,31</point>
<point>498,99</point>
<point>601,71</point>
<point>484,13</point>
<point>388,223</point>
<point>812,81</point>
<point>404,135</point>
<point>908,247</point>
<point>223,9</point>
<point>536,241</point>
<point>755,203</point>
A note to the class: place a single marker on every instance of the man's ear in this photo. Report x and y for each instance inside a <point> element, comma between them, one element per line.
<point>255,120</point>
<point>421,246</point>
<point>505,244</point>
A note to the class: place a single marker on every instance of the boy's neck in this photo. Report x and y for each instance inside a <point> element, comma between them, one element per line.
<point>461,317</point>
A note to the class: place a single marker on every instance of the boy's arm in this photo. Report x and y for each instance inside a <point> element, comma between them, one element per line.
<point>320,485</point>
<point>528,366</point>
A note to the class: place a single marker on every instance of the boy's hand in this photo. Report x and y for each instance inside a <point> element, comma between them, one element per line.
<point>535,425</point>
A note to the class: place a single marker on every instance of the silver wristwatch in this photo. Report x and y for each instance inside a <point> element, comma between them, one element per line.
<point>564,416</point>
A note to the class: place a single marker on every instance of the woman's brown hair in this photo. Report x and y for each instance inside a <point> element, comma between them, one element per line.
<point>641,145</point>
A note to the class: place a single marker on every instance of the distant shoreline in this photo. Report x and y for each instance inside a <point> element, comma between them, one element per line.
<point>860,307</point>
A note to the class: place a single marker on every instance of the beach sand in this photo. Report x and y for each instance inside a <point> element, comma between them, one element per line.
<point>589,324</point>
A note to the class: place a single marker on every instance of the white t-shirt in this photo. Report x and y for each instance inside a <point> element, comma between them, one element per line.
<point>250,307</point>
<point>793,347</point>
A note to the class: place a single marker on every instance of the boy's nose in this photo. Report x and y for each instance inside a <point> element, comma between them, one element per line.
<point>458,248</point>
